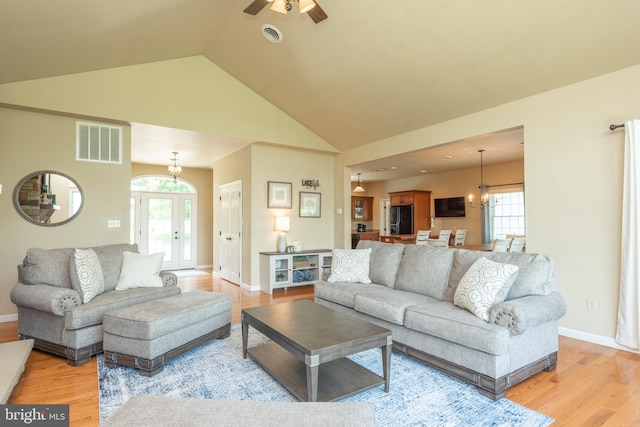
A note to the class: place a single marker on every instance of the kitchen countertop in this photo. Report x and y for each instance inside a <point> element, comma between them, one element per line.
<point>400,236</point>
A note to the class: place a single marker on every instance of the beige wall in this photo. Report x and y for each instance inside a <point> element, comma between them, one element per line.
<point>202,180</point>
<point>289,165</point>
<point>573,175</point>
<point>255,166</point>
<point>448,184</point>
<point>35,141</point>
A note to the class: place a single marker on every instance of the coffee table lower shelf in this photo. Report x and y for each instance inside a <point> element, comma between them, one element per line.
<point>337,379</point>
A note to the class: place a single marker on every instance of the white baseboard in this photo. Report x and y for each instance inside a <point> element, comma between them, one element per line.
<point>242,285</point>
<point>595,339</point>
<point>251,288</point>
<point>203,267</point>
<point>8,318</point>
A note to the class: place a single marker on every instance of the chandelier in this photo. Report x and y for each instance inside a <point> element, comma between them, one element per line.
<point>174,169</point>
<point>484,190</point>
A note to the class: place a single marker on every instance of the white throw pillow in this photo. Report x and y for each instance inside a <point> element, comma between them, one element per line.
<point>350,265</point>
<point>90,276</point>
<point>485,283</point>
<point>140,271</point>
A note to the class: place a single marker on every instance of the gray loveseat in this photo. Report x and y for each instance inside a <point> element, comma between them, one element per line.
<point>412,293</point>
<point>51,309</point>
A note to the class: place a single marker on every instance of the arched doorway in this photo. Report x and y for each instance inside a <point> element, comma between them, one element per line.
<point>163,219</point>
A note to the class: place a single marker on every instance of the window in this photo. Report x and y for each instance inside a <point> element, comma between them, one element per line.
<point>507,216</point>
<point>162,184</point>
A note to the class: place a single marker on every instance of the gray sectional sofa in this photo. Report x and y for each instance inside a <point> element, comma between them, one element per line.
<point>51,309</point>
<point>412,294</point>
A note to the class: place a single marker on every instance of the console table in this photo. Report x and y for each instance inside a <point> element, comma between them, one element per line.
<point>286,269</point>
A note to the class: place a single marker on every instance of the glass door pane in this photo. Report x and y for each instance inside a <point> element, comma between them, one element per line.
<point>160,227</point>
<point>187,230</point>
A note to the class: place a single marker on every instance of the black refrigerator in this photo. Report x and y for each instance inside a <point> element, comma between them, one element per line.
<point>401,220</point>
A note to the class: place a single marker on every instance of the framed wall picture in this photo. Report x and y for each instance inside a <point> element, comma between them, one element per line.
<point>279,195</point>
<point>309,205</point>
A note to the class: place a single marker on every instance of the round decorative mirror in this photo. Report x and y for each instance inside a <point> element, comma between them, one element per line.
<point>48,198</point>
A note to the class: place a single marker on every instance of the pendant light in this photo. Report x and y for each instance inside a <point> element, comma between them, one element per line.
<point>359,188</point>
<point>484,190</point>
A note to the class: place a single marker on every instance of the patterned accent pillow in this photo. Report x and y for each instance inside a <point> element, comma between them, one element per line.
<point>485,283</point>
<point>350,265</point>
<point>90,276</point>
<point>140,271</point>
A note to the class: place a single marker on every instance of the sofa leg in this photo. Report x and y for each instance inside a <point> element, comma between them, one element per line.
<point>553,362</point>
<point>78,362</point>
<point>493,396</point>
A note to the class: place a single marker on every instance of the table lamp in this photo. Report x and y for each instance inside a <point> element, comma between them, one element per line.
<point>282,225</point>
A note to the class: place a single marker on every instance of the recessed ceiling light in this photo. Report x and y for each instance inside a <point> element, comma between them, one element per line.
<point>447,157</point>
<point>423,171</point>
<point>393,167</point>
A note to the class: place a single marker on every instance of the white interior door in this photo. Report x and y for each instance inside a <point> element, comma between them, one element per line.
<point>230,234</point>
<point>167,224</point>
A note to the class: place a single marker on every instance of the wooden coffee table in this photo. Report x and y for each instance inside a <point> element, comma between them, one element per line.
<point>309,346</point>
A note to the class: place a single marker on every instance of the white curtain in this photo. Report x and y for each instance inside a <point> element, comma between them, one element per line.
<point>628,333</point>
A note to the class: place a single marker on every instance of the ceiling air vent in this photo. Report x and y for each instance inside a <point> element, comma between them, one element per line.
<point>271,33</point>
<point>98,143</point>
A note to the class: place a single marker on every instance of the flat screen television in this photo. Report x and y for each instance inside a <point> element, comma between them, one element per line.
<point>450,207</point>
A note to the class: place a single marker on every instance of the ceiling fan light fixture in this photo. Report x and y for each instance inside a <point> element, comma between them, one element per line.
<point>306,5</point>
<point>279,6</point>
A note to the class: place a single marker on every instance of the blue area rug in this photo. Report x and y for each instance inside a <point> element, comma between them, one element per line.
<point>419,395</point>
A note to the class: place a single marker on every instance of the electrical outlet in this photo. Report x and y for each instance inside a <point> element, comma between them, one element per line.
<point>592,304</point>
<point>113,223</point>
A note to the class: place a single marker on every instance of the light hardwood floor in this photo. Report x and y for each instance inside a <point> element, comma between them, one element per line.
<point>592,386</point>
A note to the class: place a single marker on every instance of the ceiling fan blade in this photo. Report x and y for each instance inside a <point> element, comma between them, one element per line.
<point>256,7</point>
<point>317,14</point>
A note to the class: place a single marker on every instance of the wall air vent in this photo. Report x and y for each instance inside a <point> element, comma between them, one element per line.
<point>98,143</point>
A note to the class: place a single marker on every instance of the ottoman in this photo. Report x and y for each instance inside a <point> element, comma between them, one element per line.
<point>147,335</point>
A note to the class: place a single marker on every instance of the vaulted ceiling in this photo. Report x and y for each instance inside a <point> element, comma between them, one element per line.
<point>372,70</point>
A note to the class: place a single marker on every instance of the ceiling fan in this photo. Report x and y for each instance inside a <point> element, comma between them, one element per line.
<point>310,7</point>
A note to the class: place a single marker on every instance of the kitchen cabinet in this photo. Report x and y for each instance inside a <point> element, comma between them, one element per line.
<point>369,235</point>
<point>401,198</point>
<point>421,202</point>
<point>356,236</point>
<point>283,270</point>
<point>361,208</point>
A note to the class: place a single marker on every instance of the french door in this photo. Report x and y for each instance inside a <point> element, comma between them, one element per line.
<point>166,223</point>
